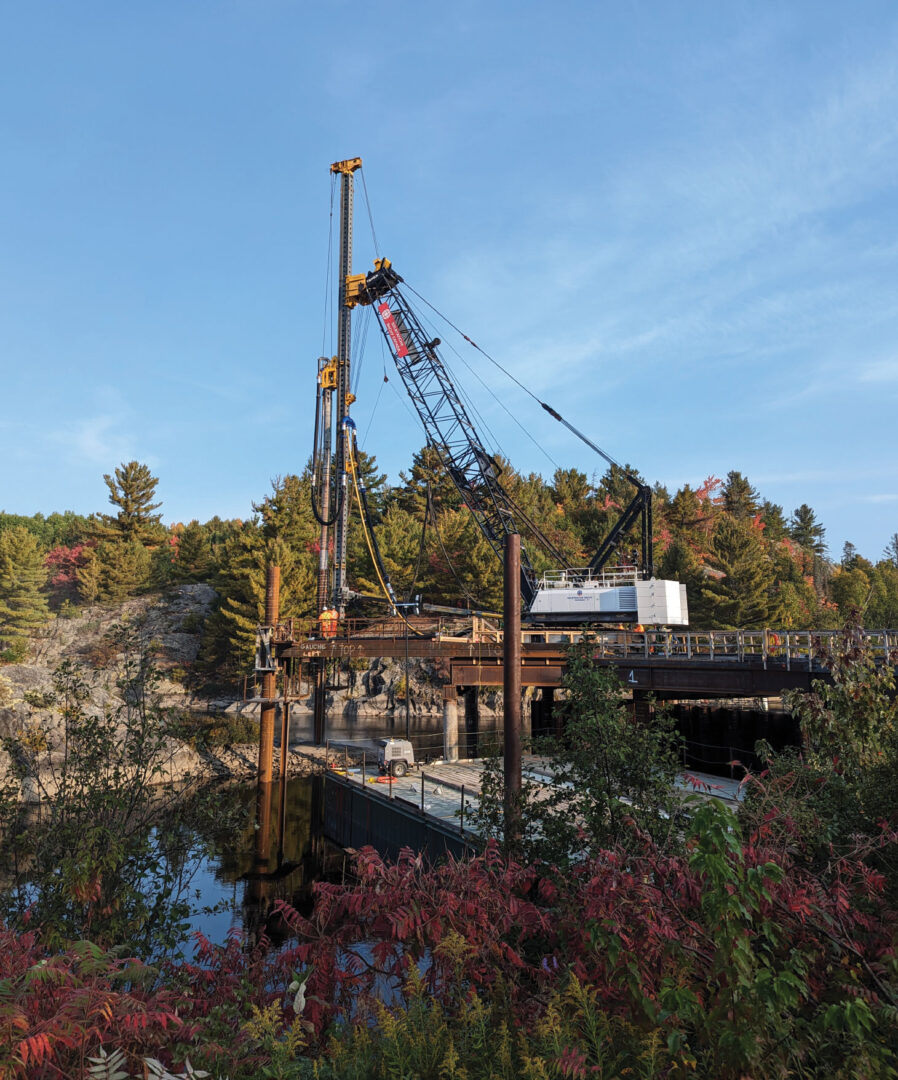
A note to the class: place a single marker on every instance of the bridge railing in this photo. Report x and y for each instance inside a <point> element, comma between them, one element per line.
<point>772,648</point>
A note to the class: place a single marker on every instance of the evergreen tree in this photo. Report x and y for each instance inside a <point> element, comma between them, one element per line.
<point>806,531</point>
<point>572,491</point>
<point>375,484</point>
<point>132,490</point>
<point>680,563</point>
<point>286,515</point>
<point>775,526</point>
<point>472,558</point>
<point>399,540</point>
<point>88,575</point>
<point>613,493</point>
<point>739,498</point>
<point>193,559</point>
<point>688,516</point>
<point>738,598</point>
<point>23,578</point>
<point>427,471</point>
<point>849,555</point>
<point>114,570</point>
<point>243,608</point>
<point>891,550</point>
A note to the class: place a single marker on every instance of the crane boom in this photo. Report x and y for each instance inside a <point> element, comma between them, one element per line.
<point>447,425</point>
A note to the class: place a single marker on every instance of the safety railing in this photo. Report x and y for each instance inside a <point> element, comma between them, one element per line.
<point>610,577</point>
<point>290,630</point>
<point>772,648</point>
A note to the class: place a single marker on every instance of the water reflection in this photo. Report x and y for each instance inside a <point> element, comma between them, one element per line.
<point>272,850</point>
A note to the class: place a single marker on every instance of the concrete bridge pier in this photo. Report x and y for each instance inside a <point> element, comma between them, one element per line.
<point>450,723</point>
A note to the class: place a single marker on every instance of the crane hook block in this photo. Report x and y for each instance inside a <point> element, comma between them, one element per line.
<point>347,167</point>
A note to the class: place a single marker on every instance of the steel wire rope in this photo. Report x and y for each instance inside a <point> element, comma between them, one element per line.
<point>380,390</point>
<point>493,443</point>
<point>496,447</point>
<point>359,350</point>
<point>548,408</point>
<point>414,581</point>
<point>370,215</point>
<point>464,588</point>
<point>539,446</point>
<point>402,398</point>
<point>371,541</point>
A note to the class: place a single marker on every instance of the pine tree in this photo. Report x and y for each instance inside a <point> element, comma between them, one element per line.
<point>399,540</point>
<point>679,563</point>
<point>243,608</point>
<point>23,578</point>
<point>477,576</point>
<point>193,559</point>
<point>806,530</point>
<point>427,471</point>
<point>739,597</point>
<point>88,576</point>
<point>775,525</point>
<point>739,498</point>
<point>890,551</point>
<point>125,568</point>
<point>849,555</point>
<point>131,490</point>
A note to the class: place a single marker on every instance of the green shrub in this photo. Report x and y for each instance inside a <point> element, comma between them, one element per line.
<point>193,623</point>
<point>202,730</point>
<point>15,652</point>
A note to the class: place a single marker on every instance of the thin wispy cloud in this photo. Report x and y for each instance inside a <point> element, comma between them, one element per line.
<point>880,371</point>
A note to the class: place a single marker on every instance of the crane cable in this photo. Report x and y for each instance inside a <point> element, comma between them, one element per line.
<point>432,510</point>
<point>414,582</point>
<point>498,400</point>
<point>370,538</point>
<point>552,412</point>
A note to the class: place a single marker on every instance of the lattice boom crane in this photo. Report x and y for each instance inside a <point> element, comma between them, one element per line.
<point>590,594</point>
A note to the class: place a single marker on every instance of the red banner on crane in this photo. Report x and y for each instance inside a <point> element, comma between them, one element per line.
<point>396,338</point>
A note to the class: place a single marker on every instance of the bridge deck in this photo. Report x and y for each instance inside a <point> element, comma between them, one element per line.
<point>439,791</point>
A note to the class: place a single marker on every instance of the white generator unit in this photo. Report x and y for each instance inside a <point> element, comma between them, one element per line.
<point>567,597</point>
<point>395,756</point>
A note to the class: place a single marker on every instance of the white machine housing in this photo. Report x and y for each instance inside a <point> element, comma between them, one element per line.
<point>616,595</point>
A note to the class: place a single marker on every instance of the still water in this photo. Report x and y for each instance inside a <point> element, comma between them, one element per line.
<point>264,845</point>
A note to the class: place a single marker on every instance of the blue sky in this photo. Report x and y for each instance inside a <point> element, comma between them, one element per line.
<point>678,223</point>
